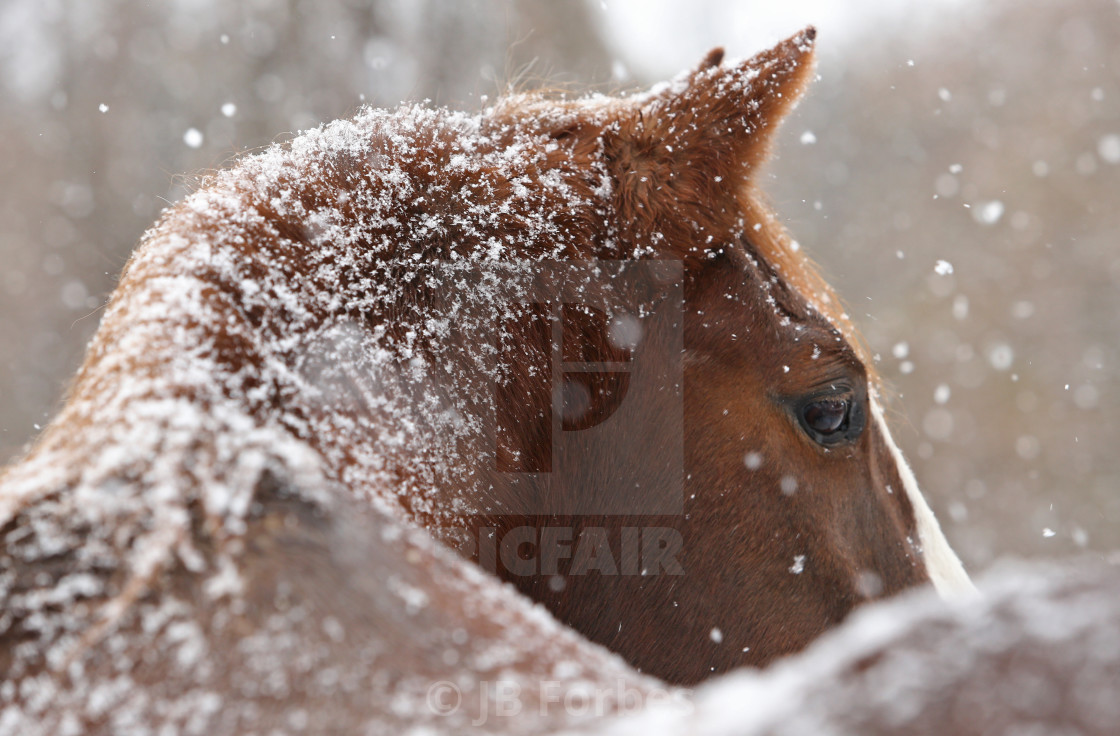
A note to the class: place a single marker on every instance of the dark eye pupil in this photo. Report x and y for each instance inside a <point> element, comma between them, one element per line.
<point>826,416</point>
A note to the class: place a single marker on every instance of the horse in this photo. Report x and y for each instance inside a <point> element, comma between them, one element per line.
<point>355,381</point>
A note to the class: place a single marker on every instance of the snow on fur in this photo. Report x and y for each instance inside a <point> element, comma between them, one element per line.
<point>252,371</point>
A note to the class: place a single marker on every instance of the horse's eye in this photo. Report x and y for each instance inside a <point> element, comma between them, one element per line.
<point>831,421</point>
<point>826,416</point>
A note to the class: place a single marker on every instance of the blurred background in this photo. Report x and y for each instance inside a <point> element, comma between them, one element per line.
<point>955,170</point>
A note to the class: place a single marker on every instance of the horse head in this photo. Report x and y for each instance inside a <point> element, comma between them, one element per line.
<point>764,421</point>
<point>566,335</point>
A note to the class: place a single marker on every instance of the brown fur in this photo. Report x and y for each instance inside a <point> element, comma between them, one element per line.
<point>298,324</point>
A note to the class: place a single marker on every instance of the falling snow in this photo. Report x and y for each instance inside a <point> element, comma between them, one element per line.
<point>1001,356</point>
<point>988,213</point>
<point>942,393</point>
<point>1108,148</point>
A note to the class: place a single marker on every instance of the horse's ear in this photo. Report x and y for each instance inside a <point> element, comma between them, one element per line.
<point>680,152</point>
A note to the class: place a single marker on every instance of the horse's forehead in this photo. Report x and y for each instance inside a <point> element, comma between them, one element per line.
<point>802,298</point>
<point>760,292</point>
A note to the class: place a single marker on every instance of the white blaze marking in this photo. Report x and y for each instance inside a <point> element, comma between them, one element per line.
<point>944,567</point>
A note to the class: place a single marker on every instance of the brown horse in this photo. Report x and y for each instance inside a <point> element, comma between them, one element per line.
<point>566,336</point>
